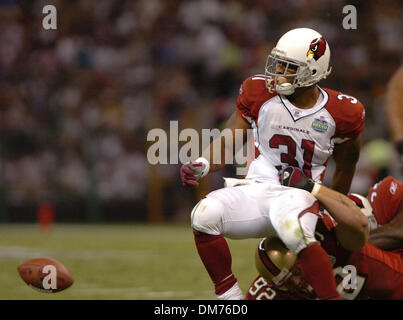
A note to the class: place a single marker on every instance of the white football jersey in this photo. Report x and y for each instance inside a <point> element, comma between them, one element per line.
<point>289,136</point>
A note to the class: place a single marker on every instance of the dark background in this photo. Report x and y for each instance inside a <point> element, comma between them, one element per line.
<point>76,103</point>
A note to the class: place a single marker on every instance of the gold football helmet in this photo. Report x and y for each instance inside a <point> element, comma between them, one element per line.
<point>278,265</point>
<point>274,261</point>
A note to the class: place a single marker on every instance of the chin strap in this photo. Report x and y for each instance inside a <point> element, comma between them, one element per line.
<point>285,89</point>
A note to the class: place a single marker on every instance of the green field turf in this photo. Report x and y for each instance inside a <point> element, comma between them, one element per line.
<point>139,262</point>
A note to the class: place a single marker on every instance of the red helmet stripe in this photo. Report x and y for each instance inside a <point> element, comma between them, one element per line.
<point>268,263</point>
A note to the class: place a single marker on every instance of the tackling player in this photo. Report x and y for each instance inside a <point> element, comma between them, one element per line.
<point>379,272</point>
<point>295,122</point>
<point>386,199</point>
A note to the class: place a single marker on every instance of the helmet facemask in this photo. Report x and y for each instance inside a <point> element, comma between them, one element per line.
<point>366,208</point>
<point>299,72</point>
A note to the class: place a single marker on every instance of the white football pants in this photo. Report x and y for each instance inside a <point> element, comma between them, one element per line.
<point>259,210</point>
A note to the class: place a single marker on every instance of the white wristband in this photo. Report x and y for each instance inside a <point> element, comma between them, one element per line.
<point>316,188</point>
<point>206,166</point>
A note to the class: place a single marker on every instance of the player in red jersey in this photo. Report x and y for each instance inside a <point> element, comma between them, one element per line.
<point>295,122</point>
<point>379,272</point>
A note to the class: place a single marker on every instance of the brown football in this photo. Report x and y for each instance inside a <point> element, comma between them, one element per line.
<point>45,274</point>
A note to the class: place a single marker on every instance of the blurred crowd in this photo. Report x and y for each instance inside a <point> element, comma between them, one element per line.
<point>76,103</point>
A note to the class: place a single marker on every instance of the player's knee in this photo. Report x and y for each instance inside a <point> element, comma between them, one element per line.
<point>292,239</point>
<point>207,215</point>
<point>295,235</point>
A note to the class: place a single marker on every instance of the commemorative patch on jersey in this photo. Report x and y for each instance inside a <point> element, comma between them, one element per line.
<point>320,125</point>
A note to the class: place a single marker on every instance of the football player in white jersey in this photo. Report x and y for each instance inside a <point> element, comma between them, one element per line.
<point>295,123</point>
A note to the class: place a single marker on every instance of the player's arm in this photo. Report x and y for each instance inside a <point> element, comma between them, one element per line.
<point>345,156</point>
<point>352,229</point>
<point>352,226</point>
<point>390,235</point>
<point>215,155</point>
<point>394,109</point>
<point>224,146</point>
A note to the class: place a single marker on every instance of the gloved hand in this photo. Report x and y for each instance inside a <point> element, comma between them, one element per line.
<point>193,171</point>
<point>294,177</point>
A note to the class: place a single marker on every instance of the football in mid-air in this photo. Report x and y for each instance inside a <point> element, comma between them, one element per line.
<point>45,274</point>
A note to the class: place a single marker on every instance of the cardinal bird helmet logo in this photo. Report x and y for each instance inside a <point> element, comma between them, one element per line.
<point>317,48</point>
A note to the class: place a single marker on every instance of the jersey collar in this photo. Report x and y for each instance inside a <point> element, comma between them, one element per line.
<point>297,113</point>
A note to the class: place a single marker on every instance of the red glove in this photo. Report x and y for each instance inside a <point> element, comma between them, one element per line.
<point>193,171</point>
<point>188,176</point>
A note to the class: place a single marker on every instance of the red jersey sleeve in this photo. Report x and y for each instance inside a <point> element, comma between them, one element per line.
<point>386,198</point>
<point>252,94</point>
<point>348,113</point>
